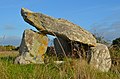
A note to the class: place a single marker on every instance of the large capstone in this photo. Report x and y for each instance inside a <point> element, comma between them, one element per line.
<point>32,48</point>
<point>58,27</point>
<point>100,57</point>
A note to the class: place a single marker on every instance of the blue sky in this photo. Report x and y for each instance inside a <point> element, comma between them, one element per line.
<point>101,16</point>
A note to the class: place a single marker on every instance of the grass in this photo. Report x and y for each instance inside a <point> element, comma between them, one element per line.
<point>115,55</point>
<point>71,69</point>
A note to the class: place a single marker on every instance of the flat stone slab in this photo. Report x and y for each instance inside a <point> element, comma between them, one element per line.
<point>59,27</point>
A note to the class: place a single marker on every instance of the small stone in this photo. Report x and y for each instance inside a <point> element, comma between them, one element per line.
<point>32,48</point>
<point>21,60</point>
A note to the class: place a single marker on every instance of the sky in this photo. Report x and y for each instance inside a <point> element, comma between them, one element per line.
<point>96,16</point>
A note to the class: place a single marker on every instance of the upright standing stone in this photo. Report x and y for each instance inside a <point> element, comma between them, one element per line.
<point>32,48</point>
<point>100,57</point>
<point>62,47</point>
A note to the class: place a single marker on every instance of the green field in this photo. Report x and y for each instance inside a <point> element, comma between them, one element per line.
<point>71,69</point>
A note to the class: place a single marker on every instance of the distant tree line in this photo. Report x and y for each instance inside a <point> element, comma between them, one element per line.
<point>8,48</point>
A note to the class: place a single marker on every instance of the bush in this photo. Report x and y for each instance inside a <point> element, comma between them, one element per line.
<point>100,39</point>
<point>116,43</point>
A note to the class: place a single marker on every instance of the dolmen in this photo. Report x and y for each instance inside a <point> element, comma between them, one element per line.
<point>71,41</point>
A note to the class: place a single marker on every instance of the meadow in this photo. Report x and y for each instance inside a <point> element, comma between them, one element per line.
<point>71,69</point>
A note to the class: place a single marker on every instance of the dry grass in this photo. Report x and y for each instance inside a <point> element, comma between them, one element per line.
<point>71,69</point>
<point>8,53</point>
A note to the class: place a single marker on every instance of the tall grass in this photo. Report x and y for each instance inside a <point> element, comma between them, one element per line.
<point>115,56</point>
<point>71,69</point>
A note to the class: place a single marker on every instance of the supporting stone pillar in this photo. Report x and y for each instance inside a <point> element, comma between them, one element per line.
<point>100,57</point>
<point>32,48</point>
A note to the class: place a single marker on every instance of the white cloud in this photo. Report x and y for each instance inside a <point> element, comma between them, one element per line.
<point>9,27</point>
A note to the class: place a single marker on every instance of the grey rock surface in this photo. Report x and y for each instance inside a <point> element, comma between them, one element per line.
<point>32,48</point>
<point>100,57</point>
<point>58,27</point>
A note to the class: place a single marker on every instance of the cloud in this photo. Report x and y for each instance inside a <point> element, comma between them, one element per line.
<point>109,27</point>
<point>9,27</point>
<point>10,40</point>
<point>109,30</point>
